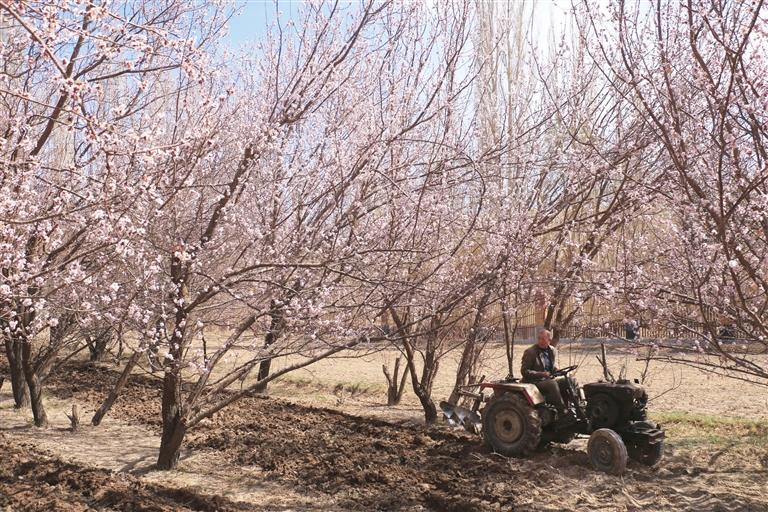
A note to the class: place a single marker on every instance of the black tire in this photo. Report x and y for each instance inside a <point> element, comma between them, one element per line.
<point>607,451</point>
<point>603,410</point>
<point>511,426</point>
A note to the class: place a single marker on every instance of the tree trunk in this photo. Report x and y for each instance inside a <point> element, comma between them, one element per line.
<point>34,383</point>
<point>395,388</point>
<point>464,368</point>
<point>115,392</point>
<point>275,328</point>
<point>509,340</point>
<point>174,420</point>
<point>174,431</point>
<point>97,347</point>
<point>18,384</point>
<point>401,388</point>
<point>430,411</point>
<point>468,364</point>
<point>555,336</point>
<point>264,368</point>
<point>423,387</point>
<point>471,351</point>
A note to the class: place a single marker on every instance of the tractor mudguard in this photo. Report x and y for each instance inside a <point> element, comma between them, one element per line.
<point>529,391</point>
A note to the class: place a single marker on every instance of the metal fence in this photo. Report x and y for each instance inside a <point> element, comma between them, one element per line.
<point>617,329</point>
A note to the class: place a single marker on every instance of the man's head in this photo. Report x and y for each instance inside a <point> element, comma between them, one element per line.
<point>545,338</point>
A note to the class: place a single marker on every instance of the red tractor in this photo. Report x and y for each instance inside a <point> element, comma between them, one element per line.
<point>515,419</point>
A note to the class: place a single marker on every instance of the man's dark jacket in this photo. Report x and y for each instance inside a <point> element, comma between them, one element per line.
<point>533,367</point>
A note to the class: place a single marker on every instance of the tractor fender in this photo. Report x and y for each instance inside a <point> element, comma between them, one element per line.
<point>529,391</point>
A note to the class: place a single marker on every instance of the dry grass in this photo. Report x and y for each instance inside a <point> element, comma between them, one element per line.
<point>690,429</point>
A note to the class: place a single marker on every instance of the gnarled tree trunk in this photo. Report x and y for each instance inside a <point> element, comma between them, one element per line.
<point>395,386</point>
<point>275,328</point>
<point>34,382</point>
<point>16,370</point>
<point>174,421</point>
<point>422,385</point>
<point>97,346</point>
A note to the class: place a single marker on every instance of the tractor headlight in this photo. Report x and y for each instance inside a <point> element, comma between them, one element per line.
<point>581,394</point>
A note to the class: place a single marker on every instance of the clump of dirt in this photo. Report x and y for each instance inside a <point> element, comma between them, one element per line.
<point>34,481</point>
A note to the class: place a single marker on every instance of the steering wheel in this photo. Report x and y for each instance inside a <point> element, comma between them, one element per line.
<point>564,371</point>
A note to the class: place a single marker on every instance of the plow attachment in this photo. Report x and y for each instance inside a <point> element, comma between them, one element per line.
<point>458,416</point>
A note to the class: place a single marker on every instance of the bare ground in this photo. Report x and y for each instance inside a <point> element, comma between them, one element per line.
<point>321,459</point>
<point>130,448</point>
<point>33,480</point>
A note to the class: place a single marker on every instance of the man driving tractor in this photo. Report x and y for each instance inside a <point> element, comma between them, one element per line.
<point>549,406</point>
<point>539,363</point>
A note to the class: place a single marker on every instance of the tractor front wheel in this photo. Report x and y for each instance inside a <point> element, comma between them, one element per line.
<point>511,426</point>
<point>607,451</point>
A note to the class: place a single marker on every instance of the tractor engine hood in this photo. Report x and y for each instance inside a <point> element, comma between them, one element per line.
<point>622,388</point>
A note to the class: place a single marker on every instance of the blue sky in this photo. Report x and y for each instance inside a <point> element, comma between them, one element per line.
<point>255,17</point>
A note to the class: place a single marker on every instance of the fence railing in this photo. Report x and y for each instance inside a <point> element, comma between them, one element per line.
<point>618,329</point>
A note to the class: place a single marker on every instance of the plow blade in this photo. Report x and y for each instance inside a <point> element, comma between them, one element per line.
<point>458,416</point>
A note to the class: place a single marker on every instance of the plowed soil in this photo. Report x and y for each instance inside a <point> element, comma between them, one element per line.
<point>360,463</point>
<point>31,480</point>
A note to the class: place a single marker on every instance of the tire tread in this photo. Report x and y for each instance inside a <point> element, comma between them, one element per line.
<point>531,436</point>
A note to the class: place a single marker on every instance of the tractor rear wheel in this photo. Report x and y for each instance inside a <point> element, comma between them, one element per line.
<point>607,451</point>
<point>511,426</point>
